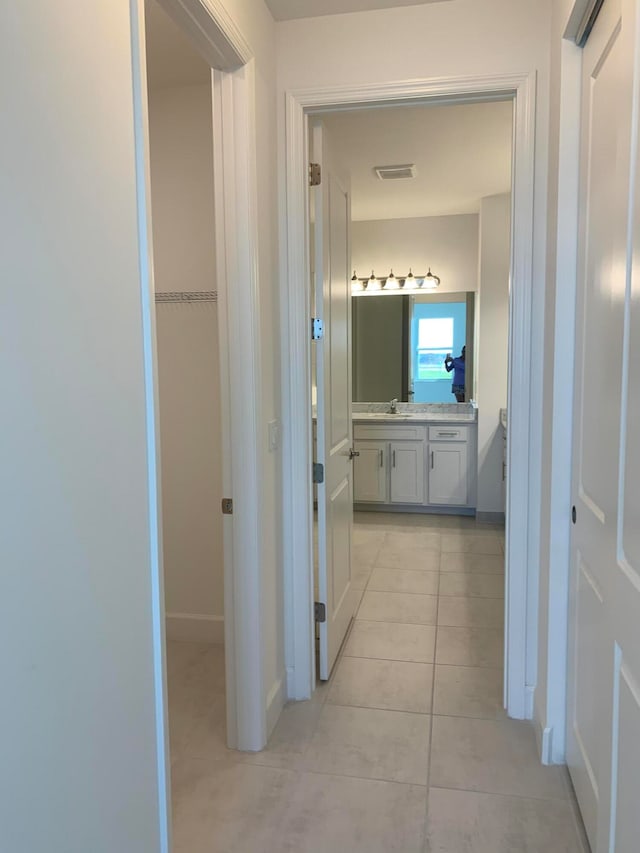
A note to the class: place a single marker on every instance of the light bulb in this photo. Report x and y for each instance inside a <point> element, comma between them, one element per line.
<point>431,280</point>
<point>392,282</point>
<point>410,282</point>
<point>373,283</point>
<point>357,285</point>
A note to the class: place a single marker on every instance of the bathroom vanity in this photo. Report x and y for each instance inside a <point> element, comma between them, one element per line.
<point>416,460</point>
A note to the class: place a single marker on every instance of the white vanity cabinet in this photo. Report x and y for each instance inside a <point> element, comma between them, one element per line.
<point>370,472</point>
<point>448,466</point>
<point>390,468</point>
<point>406,480</point>
<point>417,465</point>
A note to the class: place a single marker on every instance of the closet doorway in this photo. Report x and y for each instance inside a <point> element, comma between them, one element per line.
<point>181,143</point>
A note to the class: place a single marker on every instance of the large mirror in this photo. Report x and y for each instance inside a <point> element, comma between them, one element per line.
<point>410,347</point>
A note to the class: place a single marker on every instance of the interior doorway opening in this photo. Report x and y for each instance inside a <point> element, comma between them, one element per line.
<point>188,352</point>
<point>520,629</point>
<point>420,439</point>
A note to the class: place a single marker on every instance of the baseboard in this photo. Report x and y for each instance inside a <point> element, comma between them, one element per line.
<point>489,517</point>
<point>544,737</point>
<point>275,704</point>
<point>195,628</point>
<point>529,701</point>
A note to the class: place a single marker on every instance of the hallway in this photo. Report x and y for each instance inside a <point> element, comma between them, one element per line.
<point>407,748</point>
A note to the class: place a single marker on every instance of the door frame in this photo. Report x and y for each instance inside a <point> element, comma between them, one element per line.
<point>521,626</point>
<point>218,39</point>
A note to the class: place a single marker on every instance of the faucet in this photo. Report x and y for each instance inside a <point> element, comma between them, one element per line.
<point>393,406</point>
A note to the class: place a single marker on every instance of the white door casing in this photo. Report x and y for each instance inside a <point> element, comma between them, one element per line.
<point>603,703</point>
<point>334,426</point>
<point>521,625</point>
<point>215,33</point>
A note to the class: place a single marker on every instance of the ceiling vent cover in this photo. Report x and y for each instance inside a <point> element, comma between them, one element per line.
<point>394,173</point>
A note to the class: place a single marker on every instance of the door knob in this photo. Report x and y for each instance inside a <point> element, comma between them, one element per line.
<point>353,453</point>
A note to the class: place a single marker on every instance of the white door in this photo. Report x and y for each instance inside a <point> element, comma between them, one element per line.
<point>370,472</point>
<point>333,305</point>
<point>603,707</point>
<point>448,473</point>
<point>407,472</point>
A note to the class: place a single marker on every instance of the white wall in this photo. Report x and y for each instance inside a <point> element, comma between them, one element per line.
<point>447,244</point>
<point>492,346</point>
<point>180,125</point>
<point>81,713</point>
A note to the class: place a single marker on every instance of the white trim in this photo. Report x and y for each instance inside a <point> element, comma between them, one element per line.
<point>216,35</point>
<point>297,508</point>
<point>529,701</point>
<point>195,628</point>
<point>239,311</point>
<point>211,30</point>
<point>296,420</point>
<point>544,740</point>
<point>275,703</point>
<point>145,253</point>
<point>518,627</point>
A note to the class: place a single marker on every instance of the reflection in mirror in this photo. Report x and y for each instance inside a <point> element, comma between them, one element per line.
<point>403,344</point>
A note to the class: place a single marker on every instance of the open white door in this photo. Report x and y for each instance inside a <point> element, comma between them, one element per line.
<point>332,209</point>
<point>603,707</point>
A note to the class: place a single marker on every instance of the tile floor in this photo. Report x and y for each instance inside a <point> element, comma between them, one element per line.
<point>407,749</point>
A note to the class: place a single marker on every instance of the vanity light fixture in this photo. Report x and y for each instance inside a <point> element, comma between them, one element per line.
<point>431,281</point>
<point>392,282</point>
<point>358,285</point>
<point>374,283</point>
<point>411,282</point>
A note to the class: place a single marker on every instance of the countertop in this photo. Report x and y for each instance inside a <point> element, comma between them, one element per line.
<point>414,417</point>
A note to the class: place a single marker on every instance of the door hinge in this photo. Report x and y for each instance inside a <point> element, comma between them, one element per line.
<point>318,472</point>
<point>227,506</point>
<point>315,174</point>
<point>320,611</point>
<point>317,329</point>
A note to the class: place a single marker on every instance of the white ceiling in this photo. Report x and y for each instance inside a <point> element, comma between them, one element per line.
<point>171,60</point>
<point>285,10</point>
<point>462,153</point>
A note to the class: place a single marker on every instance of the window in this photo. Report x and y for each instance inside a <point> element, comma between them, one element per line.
<point>435,341</point>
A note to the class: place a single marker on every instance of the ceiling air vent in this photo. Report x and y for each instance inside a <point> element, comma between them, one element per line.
<point>393,173</point>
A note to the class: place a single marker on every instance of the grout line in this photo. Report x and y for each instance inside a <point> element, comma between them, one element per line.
<point>355,776</point>
<point>501,794</point>
<point>425,830</point>
<point>397,592</point>
<point>424,714</point>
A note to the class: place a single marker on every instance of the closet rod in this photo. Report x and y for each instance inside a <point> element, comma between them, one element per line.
<point>188,296</point>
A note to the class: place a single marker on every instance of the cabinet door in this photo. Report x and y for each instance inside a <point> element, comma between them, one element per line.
<point>369,472</point>
<point>407,472</point>
<point>448,473</point>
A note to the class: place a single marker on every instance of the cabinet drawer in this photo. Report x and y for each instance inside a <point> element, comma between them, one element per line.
<point>448,433</point>
<point>384,432</point>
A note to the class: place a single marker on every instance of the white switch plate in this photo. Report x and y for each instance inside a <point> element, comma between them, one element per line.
<point>274,435</point>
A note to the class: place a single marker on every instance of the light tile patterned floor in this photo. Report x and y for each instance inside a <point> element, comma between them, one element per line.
<point>407,749</point>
